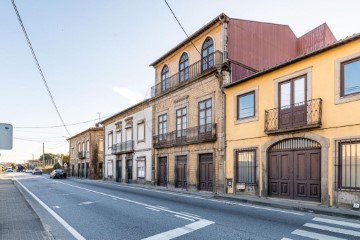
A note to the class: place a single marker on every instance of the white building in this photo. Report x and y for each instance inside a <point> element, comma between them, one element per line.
<point>128,145</point>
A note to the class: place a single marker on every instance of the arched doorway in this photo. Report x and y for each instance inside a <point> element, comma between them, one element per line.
<point>294,169</point>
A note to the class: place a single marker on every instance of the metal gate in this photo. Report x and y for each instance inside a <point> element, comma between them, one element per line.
<point>181,170</point>
<point>162,171</point>
<point>206,172</point>
<point>294,170</point>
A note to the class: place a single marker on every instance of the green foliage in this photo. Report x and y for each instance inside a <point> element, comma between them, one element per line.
<point>57,166</point>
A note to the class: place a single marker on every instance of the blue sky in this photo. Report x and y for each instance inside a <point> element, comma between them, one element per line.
<point>95,55</point>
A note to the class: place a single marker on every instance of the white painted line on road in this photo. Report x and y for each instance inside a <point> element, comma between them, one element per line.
<point>286,238</point>
<point>162,207</point>
<point>85,203</point>
<point>177,232</point>
<point>73,232</point>
<point>332,229</point>
<point>341,223</point>
<point>190,219</point>
<point>156,210</point>
<point>313,235</point>
<point>190,214</point>
<point>56,207</point>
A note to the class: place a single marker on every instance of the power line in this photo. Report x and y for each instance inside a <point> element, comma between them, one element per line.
<point>38,66</point>
<point>181,26</point>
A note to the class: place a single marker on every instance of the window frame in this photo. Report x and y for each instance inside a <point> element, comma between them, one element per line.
<point>342,77</point>
<point>87,145</point>
<point>340,185</point>
<point>236,166</point>
<point>162,124</point>
<point>143,133</point>
<point>184,67</point>
<point>238,97</point>
<point>110,137</point>
<point>142,159</point>
<point>205,110</point>
<point>165,78</point>
<point>183,131</point>
<point>207,61</point>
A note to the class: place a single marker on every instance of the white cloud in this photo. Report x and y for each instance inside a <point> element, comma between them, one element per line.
<point>133,97</point>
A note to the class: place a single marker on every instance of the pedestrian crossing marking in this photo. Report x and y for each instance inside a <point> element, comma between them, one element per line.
<point>342,223</point>
<point>332,229</point>
<point>313,235</point>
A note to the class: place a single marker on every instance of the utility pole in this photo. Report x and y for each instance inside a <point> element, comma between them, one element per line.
<point>43,160</point>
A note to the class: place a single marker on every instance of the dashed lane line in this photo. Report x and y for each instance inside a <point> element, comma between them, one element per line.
<point>156,210</point>
<point>190,219</point>
<point>341,223</point>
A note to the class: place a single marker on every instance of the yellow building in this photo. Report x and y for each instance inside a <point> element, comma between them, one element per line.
<point>293,130</point>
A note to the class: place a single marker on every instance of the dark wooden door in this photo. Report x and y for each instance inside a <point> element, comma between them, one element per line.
<point>292,103</point>
<point>162,171</point>
<point>181,168</point>
<point>78,173</point>
<point>87,169</point>
<point>129,164</point>
<point>206,172</point>
<point>118,170</point>
<point>295,174</point>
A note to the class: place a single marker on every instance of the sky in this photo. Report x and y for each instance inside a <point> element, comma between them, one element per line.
<point>95,56</point>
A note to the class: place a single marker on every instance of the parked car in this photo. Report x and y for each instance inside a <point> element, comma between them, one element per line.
<point>28,170</point>
<point>37,171</point>
<point>58,173</point>
<point>9,170</point>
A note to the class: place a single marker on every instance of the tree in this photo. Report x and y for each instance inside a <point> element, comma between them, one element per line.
<point>57,166</point>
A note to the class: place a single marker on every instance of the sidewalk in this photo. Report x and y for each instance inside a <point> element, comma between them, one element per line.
<point>17,219</point>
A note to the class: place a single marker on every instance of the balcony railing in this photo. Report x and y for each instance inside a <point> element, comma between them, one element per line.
<point>294,117</point>
<point>190,74</point>
<point>123,147</point>
<point>205,133</point>
<point>82,154</point>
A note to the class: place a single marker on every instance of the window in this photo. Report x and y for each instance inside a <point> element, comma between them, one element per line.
<point>141,131</point>
<point>141,168</point>
<point>184,67</point>
<point>207,56</point>
<point>73,151</point>
<point>349,164</point>
<point>79,147</point>
<point>246,105</point>
<point>87,145</point>
<point>181,122</point>
<point>128,134</point>
<point>245,166</point>
<point>162,126</point>
<point>165,78</point>
<point>118,137</point>
<point>350,77</point>
<point>110,139</point>
<point>101,145</point>
<point>205,116</point>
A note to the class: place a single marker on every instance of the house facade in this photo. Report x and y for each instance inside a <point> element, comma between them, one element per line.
<point>293,131</point>
<point>86,154</point>
<point>128,145</point>
<point>188,100</point>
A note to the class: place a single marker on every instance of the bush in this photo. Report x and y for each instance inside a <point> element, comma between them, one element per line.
<point>57,165</point>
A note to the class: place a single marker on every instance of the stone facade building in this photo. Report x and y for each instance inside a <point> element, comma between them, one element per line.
<point>86,154</point>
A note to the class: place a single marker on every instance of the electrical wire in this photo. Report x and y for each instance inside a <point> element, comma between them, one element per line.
<point>39,68</point>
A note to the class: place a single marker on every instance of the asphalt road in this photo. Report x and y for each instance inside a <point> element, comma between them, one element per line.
<point>73,208</point>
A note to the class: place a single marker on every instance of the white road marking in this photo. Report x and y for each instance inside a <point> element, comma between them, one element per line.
<point>313,235</point>
<point>85,203</point>
<point>190,219</point>
<point>286,238</point>
<point>341,223</point>
<point>73,232</point>
<point>203,198</point>
<point>177,232</point>
<point>157,210</point>
<point>190,214</point>
<point>332,229</point>
<point>162,207</point>
<point>56,207</point>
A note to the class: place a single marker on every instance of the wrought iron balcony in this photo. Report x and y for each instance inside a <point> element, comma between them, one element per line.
<point>82,154</point>
<point>205,133</point>
<point>123,147</point>
<point>191,73</point>
<point>299,116</point>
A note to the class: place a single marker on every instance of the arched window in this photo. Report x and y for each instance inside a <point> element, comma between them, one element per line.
<point>207,54</point>
<point>165,78</point>
<point>184,67</point>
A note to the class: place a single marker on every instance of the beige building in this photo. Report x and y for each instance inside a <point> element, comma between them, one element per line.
<point>86,153</point>
<point>188,109</point>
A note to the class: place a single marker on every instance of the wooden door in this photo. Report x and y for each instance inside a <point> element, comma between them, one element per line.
<point>162,171</point>
<point>119,170</point>
<point>181,170</point>
<point>280,174</point>
<point>292,103</point>
<point>129,164</point>
<point>206,172</point>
